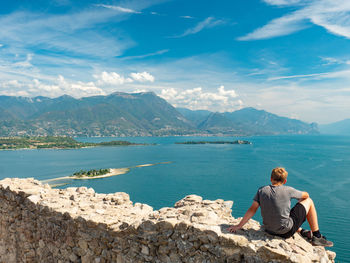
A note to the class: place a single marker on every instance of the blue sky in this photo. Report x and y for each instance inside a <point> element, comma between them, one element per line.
<point>289,57</point>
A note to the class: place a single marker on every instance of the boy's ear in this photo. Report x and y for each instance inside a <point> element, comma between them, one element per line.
<point>285,181</point>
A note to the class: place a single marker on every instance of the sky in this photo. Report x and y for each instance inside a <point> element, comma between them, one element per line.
<point>288,57</point>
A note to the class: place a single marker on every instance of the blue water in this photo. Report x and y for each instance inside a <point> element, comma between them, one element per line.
<point>319,165</point>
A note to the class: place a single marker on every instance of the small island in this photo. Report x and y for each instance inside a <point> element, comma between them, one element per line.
<point>215,142</point>
<point>91,173</point>
<point>95,174</point>
<point>101,173</point>
<point>54,142</point>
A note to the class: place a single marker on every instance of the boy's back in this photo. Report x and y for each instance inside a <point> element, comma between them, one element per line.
<point>275,207</point>
<point>278,218</point>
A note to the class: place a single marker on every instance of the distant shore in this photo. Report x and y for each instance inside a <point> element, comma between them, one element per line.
<point>54,142</point>
<point>215,142</point>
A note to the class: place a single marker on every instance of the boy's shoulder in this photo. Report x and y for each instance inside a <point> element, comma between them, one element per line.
<point>264,187</point>
<point>279,187</point>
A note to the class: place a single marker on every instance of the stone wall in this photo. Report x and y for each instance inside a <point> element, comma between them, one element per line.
<point>40,224</point>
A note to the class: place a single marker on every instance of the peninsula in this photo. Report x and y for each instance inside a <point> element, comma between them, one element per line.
<point>215,142</point>
<point>53,142</point>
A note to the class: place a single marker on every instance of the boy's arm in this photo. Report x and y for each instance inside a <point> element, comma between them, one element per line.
<point>304,195</point>
<point>248,215</point>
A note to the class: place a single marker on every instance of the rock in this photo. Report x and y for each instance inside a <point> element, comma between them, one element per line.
<point>81,189</point>
<point>83,244</point>
<point>88,257</point>
<point>34,198</point>
<point>228,204</point>
<point>145,250</point>
<point>79,225</point>
<point>90,191</point>
<point>331,255</point>
<point>73,257</point>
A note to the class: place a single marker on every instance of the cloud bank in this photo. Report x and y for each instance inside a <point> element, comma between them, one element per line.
<point>198,99</point>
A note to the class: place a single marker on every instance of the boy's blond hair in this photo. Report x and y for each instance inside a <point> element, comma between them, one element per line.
<point>279,174</point>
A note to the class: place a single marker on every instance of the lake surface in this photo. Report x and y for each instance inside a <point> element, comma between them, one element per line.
<point>319,165</point>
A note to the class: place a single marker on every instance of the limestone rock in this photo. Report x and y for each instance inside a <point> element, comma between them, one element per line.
<point>40,224</point>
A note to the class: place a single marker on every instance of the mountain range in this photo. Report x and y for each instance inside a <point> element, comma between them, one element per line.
<point>248,121</point>
<point>133,114</point>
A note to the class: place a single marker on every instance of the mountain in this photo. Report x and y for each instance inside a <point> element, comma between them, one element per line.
<point>250,121</point>
<point>339,128</point>
<point>196,116</point>
<point>133,114</point>
<point>118,114</point>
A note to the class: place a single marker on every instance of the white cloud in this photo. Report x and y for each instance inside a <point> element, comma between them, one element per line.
<point>61,86</point>
<point>159,52</point>
<point>142,77</point>
<point>120,9</point>
<point>337,23</point>
<point>26,63</point>
<point>335,61</point>
<point>284,2</point>
<point>187,17</point>
<point>333,15</point>
<point>324,75</point>
<point>278,27</point>
<point>196,98</point>
<point>69,34</point>
<point>114,79</point>
<point>111,79</point>
<point>228,93</point>
<point>331,61</point>
<point>209,22</point>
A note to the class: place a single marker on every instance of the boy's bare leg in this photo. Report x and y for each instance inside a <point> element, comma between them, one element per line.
<point>311,214</point>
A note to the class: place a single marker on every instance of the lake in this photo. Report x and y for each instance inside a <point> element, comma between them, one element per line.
<point>317,164</point>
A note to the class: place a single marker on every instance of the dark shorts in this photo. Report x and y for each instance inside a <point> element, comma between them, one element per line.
<point>298,215</point>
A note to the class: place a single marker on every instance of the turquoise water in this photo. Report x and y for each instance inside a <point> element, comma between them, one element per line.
<point>317,164</point>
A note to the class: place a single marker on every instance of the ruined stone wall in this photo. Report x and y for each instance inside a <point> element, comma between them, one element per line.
<point>40,224</point>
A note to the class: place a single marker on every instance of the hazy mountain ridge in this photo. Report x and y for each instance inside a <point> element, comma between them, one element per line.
<point>250,121</point>
<point>133,114</point>
<point>336,128</point>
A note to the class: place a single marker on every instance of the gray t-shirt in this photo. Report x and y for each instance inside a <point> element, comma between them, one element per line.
<point>274,202</point>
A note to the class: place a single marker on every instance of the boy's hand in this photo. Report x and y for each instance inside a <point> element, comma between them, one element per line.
<point>248,215</point>
<point>233,229</point>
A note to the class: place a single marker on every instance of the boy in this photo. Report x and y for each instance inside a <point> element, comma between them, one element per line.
<point>278,218</point>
